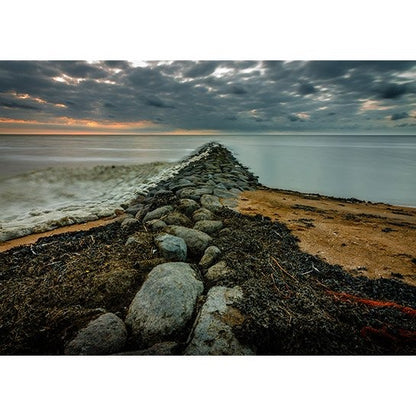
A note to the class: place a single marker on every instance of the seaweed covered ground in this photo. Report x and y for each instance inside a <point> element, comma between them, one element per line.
<point>293,302</point>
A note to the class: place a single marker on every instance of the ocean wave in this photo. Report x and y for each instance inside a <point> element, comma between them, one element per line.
<point>46,199</point>
<point>43,200</point>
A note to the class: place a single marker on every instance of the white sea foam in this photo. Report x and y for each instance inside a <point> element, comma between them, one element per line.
<point>46,199</point>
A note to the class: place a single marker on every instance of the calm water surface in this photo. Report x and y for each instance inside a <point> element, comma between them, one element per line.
<point>375,168</point>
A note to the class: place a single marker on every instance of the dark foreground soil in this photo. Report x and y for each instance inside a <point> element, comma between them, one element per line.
<point>294,303</point>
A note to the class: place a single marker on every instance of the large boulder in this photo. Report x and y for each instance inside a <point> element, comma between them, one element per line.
<point>105,335</point>
<point>213,334</point>
<point>164,304</point>
<point>197,241</point>
<point>171,247</point>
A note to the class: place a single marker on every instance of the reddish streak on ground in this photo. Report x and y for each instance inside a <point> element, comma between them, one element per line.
<point>400,334</point>
<point>374,303</point>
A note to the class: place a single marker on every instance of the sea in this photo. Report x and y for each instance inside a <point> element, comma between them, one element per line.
<point>50,181</point>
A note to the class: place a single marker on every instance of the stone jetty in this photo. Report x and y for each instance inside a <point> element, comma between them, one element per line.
<point>181,294</point>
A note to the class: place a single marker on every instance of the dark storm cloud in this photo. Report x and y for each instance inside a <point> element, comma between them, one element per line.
<point>238,90</point>
<point>399,116</point>
<point>201,69</point>
<point>393,91</point>
<point>155,102</point>
<point>220,95</point>
<point>16,105</point>
<point>294,117</point>
<point>306,89</point>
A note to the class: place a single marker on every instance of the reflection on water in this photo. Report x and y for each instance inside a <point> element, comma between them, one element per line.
<point>376,168</point>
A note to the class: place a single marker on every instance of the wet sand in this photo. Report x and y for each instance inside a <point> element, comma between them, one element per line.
<point>374,240</point>
<point>32,238</point>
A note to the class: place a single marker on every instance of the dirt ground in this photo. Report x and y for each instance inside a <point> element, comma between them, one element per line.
<point>374,240</point>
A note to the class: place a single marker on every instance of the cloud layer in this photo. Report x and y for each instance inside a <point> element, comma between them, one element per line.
<point>208,96</point>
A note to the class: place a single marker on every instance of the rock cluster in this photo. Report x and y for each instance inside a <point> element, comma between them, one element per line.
<point>181,213</point>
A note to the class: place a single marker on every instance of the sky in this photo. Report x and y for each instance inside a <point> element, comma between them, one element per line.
<point>207,97</point>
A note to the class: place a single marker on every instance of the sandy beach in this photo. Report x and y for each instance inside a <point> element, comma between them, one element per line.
<point>369,239</point>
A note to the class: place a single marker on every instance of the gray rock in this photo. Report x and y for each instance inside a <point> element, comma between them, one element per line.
<point>165,302</point>
<point>162,348</point>
<point>129,224</point>
<point>187,193</point>
<point>197,241</point>
<point>171,247</point>
<point>156,225</point>
<point>188,206</point>
<point>194,193</point>
<point>210,256</point>
<point>202,214</point>
<point>221,193</point>
<point>158,213</point>
<point>176,218</point>
<point>218,271</point>
<point>182,183</point>
<point>163,193</point>
<point>213,334</point>
<point>105,335</point>
<point>211,202</point>
<point>133,209</point>
<point>208,226</point>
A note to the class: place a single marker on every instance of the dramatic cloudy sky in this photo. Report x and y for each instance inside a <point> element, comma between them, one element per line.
<point>187,97</point>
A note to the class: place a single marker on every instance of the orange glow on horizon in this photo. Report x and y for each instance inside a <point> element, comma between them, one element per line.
<point>69,125</point>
